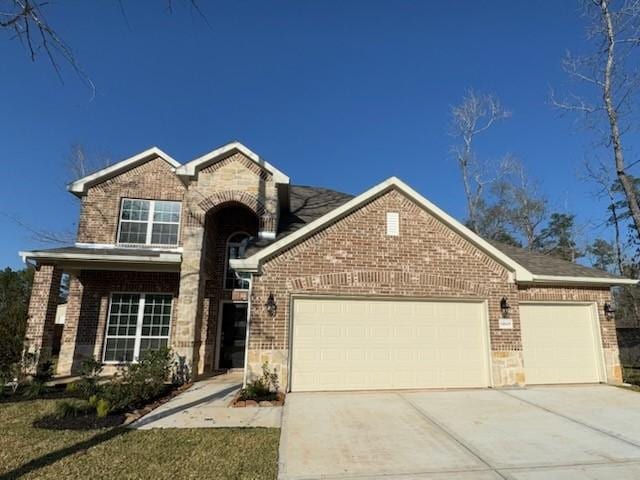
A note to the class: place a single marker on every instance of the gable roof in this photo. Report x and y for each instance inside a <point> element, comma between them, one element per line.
<point>80,186</point>
<point>547,266</point>
<point>253,262</point>
<point>191,168</point>
<point>313,208</point>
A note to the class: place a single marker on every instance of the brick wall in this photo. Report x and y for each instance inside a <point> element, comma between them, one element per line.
<point>100,207</point>
<point>585,294</point>
<point>355,256</point>
<point>88,307</point>
<point>42,310</point>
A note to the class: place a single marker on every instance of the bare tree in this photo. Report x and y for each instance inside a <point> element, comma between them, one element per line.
<point>474,116</point>
<point>82,163</point>
<point>26,20</point>
<point>612,76</point>
<point>527,205</point>
<point>602,177</point>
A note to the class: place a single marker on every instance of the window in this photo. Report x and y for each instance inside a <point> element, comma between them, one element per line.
<point>137,322</point>
<point>235,249</point>
<point>393,224</point>
<point>149,222</point>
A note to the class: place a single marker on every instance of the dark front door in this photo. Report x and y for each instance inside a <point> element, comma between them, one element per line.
<point>233,336</point>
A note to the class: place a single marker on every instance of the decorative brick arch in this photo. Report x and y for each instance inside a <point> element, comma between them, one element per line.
<point>218,199</point>
<point>395,279</point>
<point>235,196</point>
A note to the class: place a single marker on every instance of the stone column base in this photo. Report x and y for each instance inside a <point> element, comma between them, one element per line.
<point>508,368</point>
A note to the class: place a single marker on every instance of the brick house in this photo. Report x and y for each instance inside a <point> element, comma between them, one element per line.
<point>231,265</point>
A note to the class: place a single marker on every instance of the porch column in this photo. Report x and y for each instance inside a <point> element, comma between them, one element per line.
<point>187,337</point>
<point>42,310</point>
<point>67,355</point>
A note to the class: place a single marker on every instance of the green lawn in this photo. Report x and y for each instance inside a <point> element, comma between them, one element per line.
<point>29,452</point>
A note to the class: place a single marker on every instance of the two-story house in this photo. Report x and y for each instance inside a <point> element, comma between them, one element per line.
<point>230,264</point>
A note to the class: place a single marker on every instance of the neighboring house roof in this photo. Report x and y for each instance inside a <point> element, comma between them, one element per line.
<point>191,168</point>
<point>80,186</point>
<point>313,208</point>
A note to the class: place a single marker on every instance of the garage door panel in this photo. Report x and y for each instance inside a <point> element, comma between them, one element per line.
<point>377,344</point>
<point>559,344</point>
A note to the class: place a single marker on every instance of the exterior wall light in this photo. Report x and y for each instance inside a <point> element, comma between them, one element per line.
<point>608,311</point>
<point>504,307</point>
<point>272,308</point>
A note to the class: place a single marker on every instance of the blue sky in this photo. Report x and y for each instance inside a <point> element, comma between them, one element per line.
<point>338,94</point>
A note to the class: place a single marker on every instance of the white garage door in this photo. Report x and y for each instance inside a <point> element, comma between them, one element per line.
<point>560,344</point>
<point>365,344</point>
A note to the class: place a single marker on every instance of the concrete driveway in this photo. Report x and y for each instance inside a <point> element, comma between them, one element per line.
<point>569,432</point>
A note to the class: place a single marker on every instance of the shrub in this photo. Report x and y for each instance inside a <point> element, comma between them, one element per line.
<point>103,407</point>
<point>73,408</point>
<point>139,382</point>
<point>36,388</point>
<point>264,387</point>
<point>90,371</point>
<point>71,388</point>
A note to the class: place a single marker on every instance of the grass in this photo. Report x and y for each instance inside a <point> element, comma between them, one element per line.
<point>221,453</point>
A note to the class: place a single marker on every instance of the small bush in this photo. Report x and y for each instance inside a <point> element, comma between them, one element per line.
<point>262,388</point>
<point>34,390</point>
<point>139,382</point>
<point>87,386</point>
<point>73,408</point>
<point>71,388</point>
<point>103,407</point>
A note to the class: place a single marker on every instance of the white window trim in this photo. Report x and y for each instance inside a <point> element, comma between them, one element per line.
<point>150,222</point>
<point>226,260</point>
<point>139,319</point>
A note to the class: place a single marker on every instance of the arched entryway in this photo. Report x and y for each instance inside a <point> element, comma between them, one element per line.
<point>228,229</point>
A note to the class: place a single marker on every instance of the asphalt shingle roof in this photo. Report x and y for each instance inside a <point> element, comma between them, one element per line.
<point>310,203</point>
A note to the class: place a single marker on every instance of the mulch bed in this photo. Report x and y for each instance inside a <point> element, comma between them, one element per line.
<point>275,400</point>
<point>90,422</point>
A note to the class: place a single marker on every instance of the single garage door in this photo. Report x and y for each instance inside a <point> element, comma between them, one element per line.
<point>364,344</point>
<point>560,344</point>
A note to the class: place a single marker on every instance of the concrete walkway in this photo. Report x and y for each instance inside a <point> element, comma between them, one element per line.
<point>539,433</point>
<point>206,405</point>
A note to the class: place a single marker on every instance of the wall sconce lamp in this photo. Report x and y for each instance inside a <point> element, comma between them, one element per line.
<point>272,308</point>
<point>504,307</point>
<point>608,311</point>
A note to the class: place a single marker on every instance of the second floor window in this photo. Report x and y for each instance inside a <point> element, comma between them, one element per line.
<point>149,222</point>
<point>235,249</point>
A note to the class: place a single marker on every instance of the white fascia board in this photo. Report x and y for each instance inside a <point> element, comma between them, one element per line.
<point>80,186</point>
<point>91,257</point>
<point>566,280</point>
<point>190,169</point>
<point>253,263</point>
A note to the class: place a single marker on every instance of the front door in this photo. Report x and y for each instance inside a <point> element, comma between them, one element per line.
<point>233,335</point>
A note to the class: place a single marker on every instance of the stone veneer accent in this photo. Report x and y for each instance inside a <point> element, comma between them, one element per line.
<point>232,181</point>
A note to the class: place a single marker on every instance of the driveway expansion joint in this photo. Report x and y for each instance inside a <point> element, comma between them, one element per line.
<point>574,420</point>
<point>450,434</point>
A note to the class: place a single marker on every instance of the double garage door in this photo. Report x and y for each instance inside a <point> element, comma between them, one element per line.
<point>371,344</point>
<point>382,344</point>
